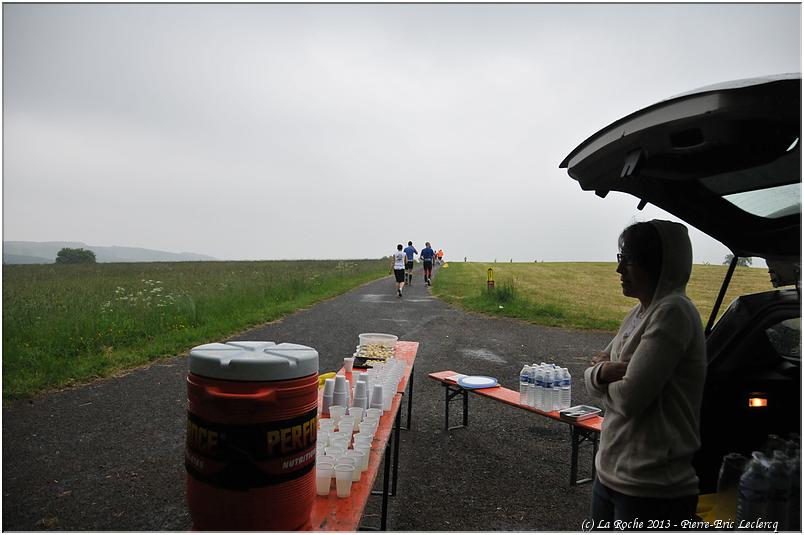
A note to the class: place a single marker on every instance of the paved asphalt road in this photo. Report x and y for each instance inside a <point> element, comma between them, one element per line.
<point>109,456</point>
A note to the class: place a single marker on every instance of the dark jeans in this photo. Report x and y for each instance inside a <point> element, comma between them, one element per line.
<point>614,510</point>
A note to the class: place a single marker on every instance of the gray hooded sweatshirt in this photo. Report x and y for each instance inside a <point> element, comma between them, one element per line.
<point>650,430</point>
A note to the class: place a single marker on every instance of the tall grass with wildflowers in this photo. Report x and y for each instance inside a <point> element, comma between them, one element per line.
<point>584,295</point>
<point>67,323</point>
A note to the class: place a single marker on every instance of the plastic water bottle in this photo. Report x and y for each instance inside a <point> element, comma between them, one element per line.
<point>547,390</point>
<point>566,390</point>
<point>524,385</point>
<point>558,384</point>
<point>752,493</point>
<point>779,490</point>
<point>538,387</point>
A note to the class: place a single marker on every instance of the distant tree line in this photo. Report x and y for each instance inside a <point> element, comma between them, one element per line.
<point>75,256</point>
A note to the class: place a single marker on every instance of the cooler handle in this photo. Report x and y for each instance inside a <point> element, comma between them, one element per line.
<point>267,394</point>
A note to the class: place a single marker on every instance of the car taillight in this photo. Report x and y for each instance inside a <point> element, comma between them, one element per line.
<point>757,400</point>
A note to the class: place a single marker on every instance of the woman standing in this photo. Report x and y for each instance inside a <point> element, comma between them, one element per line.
<point>650,378</point>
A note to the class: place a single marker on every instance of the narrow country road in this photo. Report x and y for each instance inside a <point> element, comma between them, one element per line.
<point>109,456</point>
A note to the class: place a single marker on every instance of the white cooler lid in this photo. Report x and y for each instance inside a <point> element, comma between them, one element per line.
<point>253,361</point>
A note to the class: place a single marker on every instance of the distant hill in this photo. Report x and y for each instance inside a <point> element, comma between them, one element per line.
<point>30,252</point>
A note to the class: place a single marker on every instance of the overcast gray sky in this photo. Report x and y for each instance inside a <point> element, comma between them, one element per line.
<point>261,131</point>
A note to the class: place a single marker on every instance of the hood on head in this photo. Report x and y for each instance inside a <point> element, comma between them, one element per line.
<point>676,257</point>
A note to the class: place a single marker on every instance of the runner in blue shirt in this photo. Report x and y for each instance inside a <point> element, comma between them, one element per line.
<point>410,250</point>
<point>427,255</point>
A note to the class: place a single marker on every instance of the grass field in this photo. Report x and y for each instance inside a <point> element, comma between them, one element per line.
<point>68,323</point>
<point>584,295</point>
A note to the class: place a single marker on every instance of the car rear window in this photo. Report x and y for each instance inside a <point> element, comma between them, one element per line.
<point>772,203</point>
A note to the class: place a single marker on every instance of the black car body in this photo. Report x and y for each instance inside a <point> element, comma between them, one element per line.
<point>725,159</point>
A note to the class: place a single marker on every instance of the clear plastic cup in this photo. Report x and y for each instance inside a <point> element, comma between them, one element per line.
<point>368,427</point>
<point>322,439</point>
<point>364,441</point>
<point>365,459</point>
<point>340,443</point>
<point>326,424</point>
<point>357,412</point>
<point>346,424</point>
<point>343,479</point>
<point>336,412</point>
<point>372,413</point>
<point>346,458</point>
<point>359,458</point>
<point>323,478</point>
<point>334,451</point>
<point>348,362</point>
<point>325,459</point>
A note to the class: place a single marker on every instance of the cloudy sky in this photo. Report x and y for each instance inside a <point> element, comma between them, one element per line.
<point>265,131</point>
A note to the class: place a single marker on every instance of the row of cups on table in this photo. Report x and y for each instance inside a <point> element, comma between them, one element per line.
<point>335,459</point>
<point>373,389</point>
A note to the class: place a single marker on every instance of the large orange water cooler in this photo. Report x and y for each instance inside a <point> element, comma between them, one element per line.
<point>251,434</point>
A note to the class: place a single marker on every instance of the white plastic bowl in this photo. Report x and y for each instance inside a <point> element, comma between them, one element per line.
<point>388,340</point>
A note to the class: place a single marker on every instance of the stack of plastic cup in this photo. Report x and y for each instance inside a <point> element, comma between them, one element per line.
<point>377,397</point>
<point>326,400</point>
<point>360,399</point>
<point>340,395</point>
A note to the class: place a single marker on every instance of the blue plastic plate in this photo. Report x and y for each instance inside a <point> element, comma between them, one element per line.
<point>477,381</point>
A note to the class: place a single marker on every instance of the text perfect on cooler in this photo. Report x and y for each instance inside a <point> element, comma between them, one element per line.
<point>253,361</point>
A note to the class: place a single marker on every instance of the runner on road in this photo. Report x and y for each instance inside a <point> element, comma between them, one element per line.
<point>426,256</point>
<point>410,250</point>
<point>440,256</point>
<point>399,269</point>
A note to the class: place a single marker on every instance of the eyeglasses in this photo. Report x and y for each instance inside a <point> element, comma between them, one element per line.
<point>625,258</point>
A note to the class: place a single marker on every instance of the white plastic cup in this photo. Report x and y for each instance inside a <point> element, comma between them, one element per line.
<point>358,456</point>
<point>364,437</point>
<point>346,458</point>
<point>326,424</point>
<point>336,412</point>
<point>368,427</point>
<point>373,420</point>
<point>357,412</point>
<point>325,459</point>
<point>339,443</point>
<point>371,413</point>
<point>346,425</point>
<point>343,479</point>
<point>323,478</point>
<point>365,458</point>
<point>334,451</point>
<point>348,362</point>
<point>322,439</point>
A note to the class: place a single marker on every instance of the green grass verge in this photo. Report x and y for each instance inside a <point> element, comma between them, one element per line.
<point>64,324</point>
<point>581,295</point>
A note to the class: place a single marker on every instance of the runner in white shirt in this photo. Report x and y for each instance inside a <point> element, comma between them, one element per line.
<point>399,268</point>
